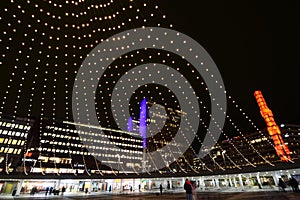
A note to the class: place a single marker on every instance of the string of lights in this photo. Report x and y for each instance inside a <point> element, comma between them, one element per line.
<point>45,45</point>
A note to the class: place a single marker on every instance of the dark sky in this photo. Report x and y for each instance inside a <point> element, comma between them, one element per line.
<point>255,45</point>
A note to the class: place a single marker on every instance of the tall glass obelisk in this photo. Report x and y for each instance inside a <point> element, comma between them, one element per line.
<point>143,129</point>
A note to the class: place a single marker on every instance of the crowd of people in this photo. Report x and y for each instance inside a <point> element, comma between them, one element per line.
<point>190,187</point>
<point>292,182</point>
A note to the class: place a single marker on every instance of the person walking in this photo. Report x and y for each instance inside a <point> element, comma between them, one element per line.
<point>294,184</point>
<point>63,189</point>
<point>188,189</point>
<point>281,185</point>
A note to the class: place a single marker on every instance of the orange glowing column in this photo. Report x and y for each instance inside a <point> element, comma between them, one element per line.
<point>282,150</point>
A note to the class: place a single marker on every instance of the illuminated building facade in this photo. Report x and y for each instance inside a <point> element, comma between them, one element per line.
<point>53,150</point>
<point>14,134</point>
<point>60,150</point>
<point>247,157</point>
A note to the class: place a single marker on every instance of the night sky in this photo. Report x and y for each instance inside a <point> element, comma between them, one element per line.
<point>255,45</point>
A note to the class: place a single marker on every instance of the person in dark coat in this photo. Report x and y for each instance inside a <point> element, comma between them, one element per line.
<point>188,189</point>
<point>50,190</point>
<point>47,190</point>
<point>294,184</point>
<point>63,189</point>
<point>160,189</point>
<point>281,185</point>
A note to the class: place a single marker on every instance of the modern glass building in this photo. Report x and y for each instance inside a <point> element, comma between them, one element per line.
<point>47,153</point>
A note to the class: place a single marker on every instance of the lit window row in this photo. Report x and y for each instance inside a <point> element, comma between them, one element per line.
<point>11,141</point>
<point>114,149</point>
<point>10,150</point>
<point>62,129</point>
<point>258,140</point>
<point>13,133</point>
<point>13,125</point>
<point>61,136</point>
<point>65,151</point>
<point>109,142</point>
<point>62,143</point>
<point>85,133</point>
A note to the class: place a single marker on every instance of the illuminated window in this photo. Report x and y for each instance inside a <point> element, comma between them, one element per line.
<point>15,151</point>
<point>5,141</point>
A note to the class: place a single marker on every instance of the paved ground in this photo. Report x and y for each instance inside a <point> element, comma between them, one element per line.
<point>269,195</point>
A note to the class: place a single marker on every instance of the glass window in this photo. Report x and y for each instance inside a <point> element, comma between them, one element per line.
<point>15,151</point>
<point>10,150</point>
<point>9,141</point>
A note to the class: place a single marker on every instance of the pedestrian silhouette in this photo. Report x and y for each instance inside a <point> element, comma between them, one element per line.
<point>161,189</point>
<point>281,185</point>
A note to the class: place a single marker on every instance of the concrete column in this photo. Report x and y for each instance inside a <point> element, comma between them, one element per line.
<point>121,185</point>
<point>133,184</point>
<point>19,187</point>
<point>91,185</point>
<point>216,180</point>
<point>258,180</point>
<point>276,176</point>
<point>58,184</point>
<point>234,182</point>
<point>241,182</point>
<point>230,182</point>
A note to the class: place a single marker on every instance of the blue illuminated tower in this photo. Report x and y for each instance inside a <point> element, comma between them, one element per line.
<point>143,128</point>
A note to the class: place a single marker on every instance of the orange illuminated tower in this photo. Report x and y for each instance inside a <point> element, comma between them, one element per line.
<point>281,148</point>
